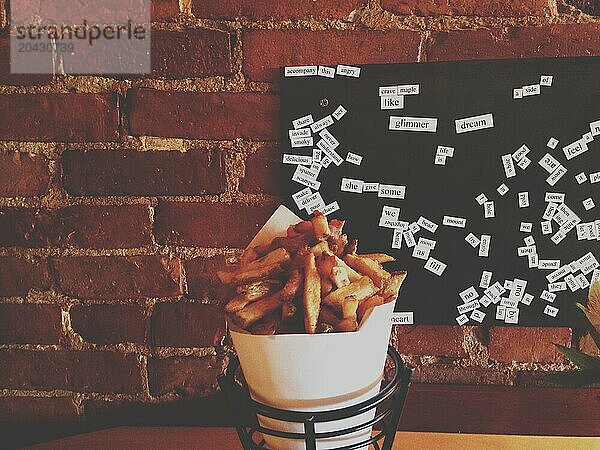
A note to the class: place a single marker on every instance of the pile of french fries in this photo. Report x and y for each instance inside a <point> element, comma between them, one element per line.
<point>311,280</point>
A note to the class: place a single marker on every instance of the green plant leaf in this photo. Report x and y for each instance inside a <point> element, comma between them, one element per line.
<point>594,333</point>
<point>576,378</point>
<point>582,360</point>
<point>592,309</point>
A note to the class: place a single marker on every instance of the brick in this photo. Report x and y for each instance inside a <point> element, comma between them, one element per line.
<point>187,325</point>
<point>191,53</point>
<point>541,378</point>
<point>25,323</point>
<point>113,277</point>
<point>109,324</point>
<point>93,12</point>
<point>76,226</point>
<point>23,227</point>
<point>209,224</point>
<point>263,172</point>
<point>469,7</point>
<point>99,172</point>
<point>7,78</point>
<point>459,375</point>
<point>527,344</point>
<point>202,280</point>
<point>278,9</point>
<point>267,50</point>
<point>126,226</point>
<point>79,371</point>
<point>203,115</point>
<point>23,174</point>
<point>187,376</point>
<point>19,275</point>
<point>164,9</point>
<point>442,340</point>
<point>20,410</point>
<point>546,41</point>
<point>59,117</point>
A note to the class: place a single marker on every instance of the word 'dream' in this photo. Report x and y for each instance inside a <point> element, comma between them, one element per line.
<point>474,123</point>
<point>413,124</point>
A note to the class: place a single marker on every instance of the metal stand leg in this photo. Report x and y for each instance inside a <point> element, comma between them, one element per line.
<point>398,403</point>
<point>309,431</point>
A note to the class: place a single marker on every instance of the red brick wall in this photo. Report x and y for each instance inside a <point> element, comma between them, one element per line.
<point>118,197</point>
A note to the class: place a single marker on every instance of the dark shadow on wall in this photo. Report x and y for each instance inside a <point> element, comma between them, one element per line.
<point>206,412</point>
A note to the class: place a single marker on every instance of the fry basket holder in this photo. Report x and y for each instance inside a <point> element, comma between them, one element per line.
<point>388,405</point>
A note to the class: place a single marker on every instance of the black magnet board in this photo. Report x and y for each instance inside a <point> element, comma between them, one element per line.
<point>450,91</point>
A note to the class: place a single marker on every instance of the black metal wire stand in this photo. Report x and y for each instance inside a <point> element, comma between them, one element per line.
<point>388,404</point>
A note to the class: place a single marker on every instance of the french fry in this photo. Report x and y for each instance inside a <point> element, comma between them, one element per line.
<point>288,310</point>
<point>328,315</point>
<point>353,275</point>
<point>324,327</point>
<point>258,289</point>
<point>291,231</point>
<point>346,325</point>
<point>252,294</point>
<point>262,250</point>
<point>271,263</point>
<point>320,248</point>
<point>392,287</point>
<point>338,245</point>
<point>336,226</point>
<point>236,303</point>
<point>259,273</point>
<point>293,244</point>
<point>360,289</point>
<point>266,326</point>
<point>248,256</point>
<point>312,294</point>
<point>326,286</point>
<point>310,281</point>
<point>276,256</point>
<point>305,226</point>
<point>320,226</point>
<point>366,304</point>
<point>381,258</point>
<point>255,311</point>
<point>298,260</point>
<point>349,308</point>
<point>324,265</point>
<point>352,246</point>
<point>292,286</point>
<point>368,267</point>
<point>339,276</point>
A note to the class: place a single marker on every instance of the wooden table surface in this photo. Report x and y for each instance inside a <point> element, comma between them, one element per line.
<point>180,438</point>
